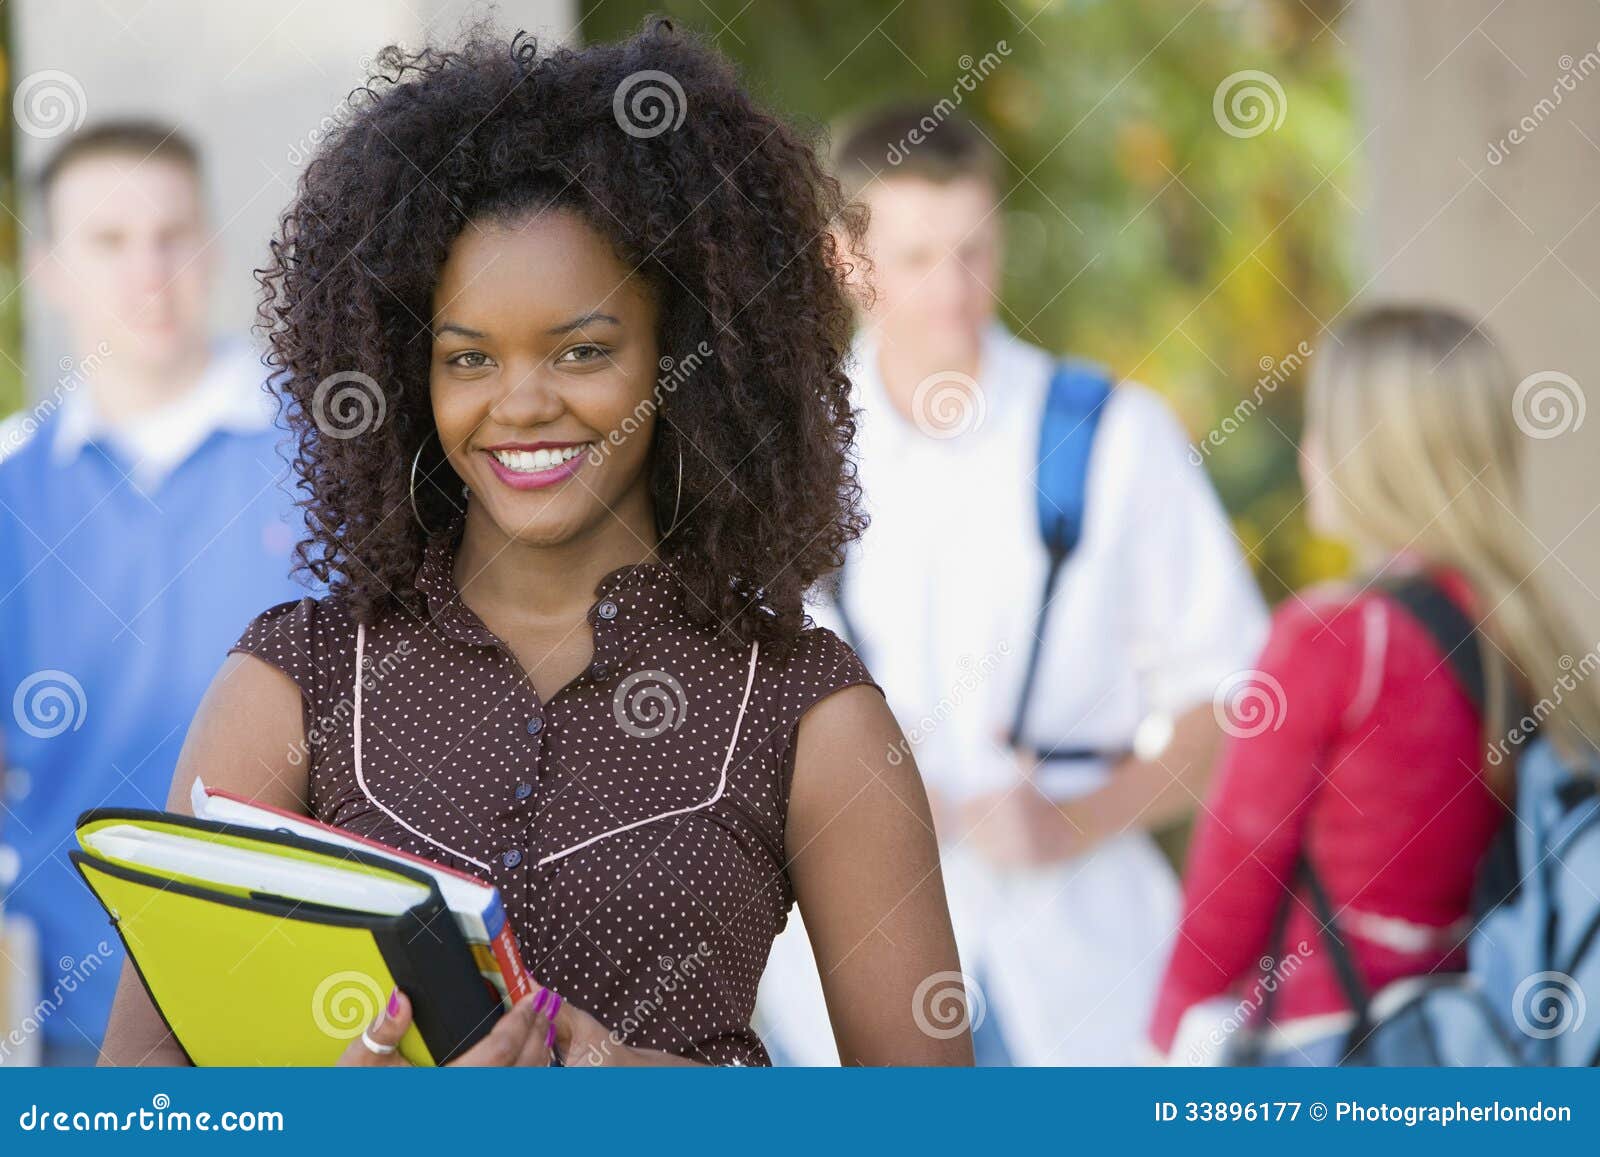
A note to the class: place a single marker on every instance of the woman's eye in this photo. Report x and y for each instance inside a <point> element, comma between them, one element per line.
<point>469,359</point>
<point>583,353</point>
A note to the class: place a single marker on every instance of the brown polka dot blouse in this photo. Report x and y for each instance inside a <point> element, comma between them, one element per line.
<point>634,822</point>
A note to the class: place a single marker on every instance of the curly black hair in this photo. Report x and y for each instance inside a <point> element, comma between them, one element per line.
<point>725,209</point>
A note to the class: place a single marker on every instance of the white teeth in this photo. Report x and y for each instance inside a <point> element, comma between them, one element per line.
<point>533,461</point>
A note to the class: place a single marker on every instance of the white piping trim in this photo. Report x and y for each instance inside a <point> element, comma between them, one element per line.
<point>1374,652</point>
<point>361,646</point>
<point>722,781</point>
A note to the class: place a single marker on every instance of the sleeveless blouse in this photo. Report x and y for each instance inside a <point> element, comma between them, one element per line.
<point>633,823</point>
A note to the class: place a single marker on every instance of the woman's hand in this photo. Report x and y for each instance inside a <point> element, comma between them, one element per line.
<point>520,1037</point>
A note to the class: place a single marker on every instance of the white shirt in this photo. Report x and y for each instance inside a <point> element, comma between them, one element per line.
<point>1153,610</point>
<point>229,395</point>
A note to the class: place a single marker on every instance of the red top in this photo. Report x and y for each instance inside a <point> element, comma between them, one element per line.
<point>1366,754</point>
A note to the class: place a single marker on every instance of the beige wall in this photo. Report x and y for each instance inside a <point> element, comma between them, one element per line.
<point>251,80</point>
<point>1459,211</point>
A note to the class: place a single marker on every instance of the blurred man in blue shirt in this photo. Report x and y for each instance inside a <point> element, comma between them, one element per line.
<point>144,518</point>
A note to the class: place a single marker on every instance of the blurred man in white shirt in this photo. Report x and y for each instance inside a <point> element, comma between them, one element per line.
<point>1062,902</point>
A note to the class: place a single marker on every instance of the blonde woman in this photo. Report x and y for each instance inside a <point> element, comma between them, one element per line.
<point>1366,779</point>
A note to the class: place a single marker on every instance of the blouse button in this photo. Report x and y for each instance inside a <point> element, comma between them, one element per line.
<point>608,610</point>
<point>600,670</point>
<point>512,858</point>
<point>524,790</point>
<point>535,725</point>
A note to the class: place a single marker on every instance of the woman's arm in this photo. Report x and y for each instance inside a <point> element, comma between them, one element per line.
<point>248,737</point>
<point>865,868</point>
<point>1249,834</point>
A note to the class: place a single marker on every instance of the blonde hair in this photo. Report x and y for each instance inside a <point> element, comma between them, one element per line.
<point>1411,409</point>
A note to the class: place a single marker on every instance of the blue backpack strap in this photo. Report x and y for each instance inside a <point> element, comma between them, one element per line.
<point>1072,409</point>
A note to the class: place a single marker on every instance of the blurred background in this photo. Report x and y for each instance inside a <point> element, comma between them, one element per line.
<point>1145,228</point>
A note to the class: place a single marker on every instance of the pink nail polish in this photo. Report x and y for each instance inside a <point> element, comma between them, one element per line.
<point>394,1002</point>
<point>540,1000</point>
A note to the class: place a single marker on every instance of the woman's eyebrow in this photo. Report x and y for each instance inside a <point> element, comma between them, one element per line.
<point>461,330</point>
<point>589,318</point>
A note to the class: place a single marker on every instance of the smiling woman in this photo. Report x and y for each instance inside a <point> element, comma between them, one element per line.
<point>600,450</point>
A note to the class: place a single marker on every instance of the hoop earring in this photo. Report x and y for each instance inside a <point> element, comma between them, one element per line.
<point>677,503</point>
<point>411,488</point>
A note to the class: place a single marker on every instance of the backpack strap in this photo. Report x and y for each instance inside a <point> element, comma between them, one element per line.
<point>1344,964</point>
<point>1072,410</point>
<point>1449,627</point>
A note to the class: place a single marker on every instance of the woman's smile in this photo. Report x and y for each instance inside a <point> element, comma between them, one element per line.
<point>535,465</point>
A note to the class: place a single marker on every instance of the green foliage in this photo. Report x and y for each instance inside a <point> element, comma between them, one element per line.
<point>1139,231</point>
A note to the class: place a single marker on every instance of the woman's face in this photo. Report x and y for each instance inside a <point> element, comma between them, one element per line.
<point>543,347</point>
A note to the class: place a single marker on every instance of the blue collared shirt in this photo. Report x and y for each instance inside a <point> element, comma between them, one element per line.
<point>128,565</point>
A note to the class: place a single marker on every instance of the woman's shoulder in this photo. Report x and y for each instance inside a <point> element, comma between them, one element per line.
<point>301,637</point>
<point>791,679</point>
<point>818,661</point>
<point>297,622</point>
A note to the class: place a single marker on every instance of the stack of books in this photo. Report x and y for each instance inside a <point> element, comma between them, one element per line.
<point>267,938</point>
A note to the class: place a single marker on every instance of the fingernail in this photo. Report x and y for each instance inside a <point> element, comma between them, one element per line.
<point>540,1000</point>
<point>394,1002</point>
<point>550,1038</point>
